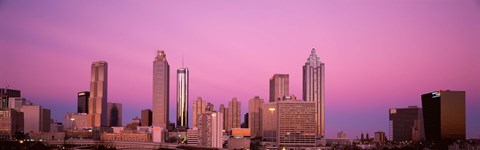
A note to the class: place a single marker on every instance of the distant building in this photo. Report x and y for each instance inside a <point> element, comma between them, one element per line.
<point>146,117</point>
<point>56,126</point>
<point>224,110</point>
<point>380,137</point>
<point>254,116</point>
<point>406,124</point>
<point>114,114</point>
<point>82,102</point>
<point>341,135</point>
<point>210,107</point>
<point>245,121</point>
<point>444,115</point>
<point>11,121</point>
<point>126,136</point>
<point>5,94</point>
<point>269,122</point>
<point>239,139</point>
<point>192,136</point>
<point>314,88</point>
<point>296,124</point>
<point>16,102</point>
<point>97,102</point>
<point>199,107</point>
<point>133,124</point>
<point>233,114</point>
<point>36,118</point>
<point>210,129</point>
<point>279,87</point>
<point>76,121</point>
<point>182,98</point>
<point>161,88</point>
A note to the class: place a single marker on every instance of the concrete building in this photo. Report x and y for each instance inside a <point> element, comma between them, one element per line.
<point>223,110</point>
<point>279,87</point>
<point>161,88</point>
<point>233,114</point>
<point>16,102</point>
<point>314,89</point>
<point>36,118</point>
<point>97,103</point>
<point>406,124</point>
<point>269,122</point>
<point>146,117</point>
<point>114,114</point>
<point>210,129</point>
<point>5,94</point>
<point>76,121</point>
<point>82,101</point>
<point>341,135</point>
<point>444,115</point>
<point>192,136</point>
<point>239,139</point>
<point>210,107</point>
<point>126,136</point>
<point>254,116</point>
<point>199,107</point>
<point>182,98</point>
<point>11,121</point>
<point>296,124</point>
<point>380,137</point>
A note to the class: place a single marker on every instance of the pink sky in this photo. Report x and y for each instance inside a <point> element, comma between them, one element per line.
<point>378,54</point>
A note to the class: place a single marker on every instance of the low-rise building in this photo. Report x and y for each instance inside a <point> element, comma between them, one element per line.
<point>11,121</point>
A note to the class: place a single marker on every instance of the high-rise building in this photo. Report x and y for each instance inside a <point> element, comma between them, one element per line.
<point>406,124</point>
<point>296,124</point>
<point>16,102</point>
<point>314,88</point>
<point>245,121</point>
<point>209,107</point>
<point>199,107</point>
<point>5,94</point>
<point>254,116</point>
<point>11,121</point>
<point>161,86</point>
<point>269,122</point>
<point>182,98</point>
<point>210,129</point>
<point>146,117</point>
<point>82,103</point>
<point>97,103</point>
<point>380,137</point>
<point>233,114</point>
<point>192,136</point>
<point>114,115</point>
<point>223,110</point>
<point>36,118</point>
<point>444,115</point>
<point>279,87</point>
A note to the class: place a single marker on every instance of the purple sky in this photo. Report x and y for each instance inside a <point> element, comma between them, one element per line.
<point>378,54</point>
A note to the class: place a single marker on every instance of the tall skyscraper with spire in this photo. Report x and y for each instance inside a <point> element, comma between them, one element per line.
<point>182,98</point>
<point>97,103</point>
<point>314,89</point>
<point>161,84</point>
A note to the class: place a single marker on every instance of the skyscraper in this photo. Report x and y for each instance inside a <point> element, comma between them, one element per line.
<point>254,116</point>
<point>182,98</point>
<point>161,84</point>
<point>444,115</point>
<point>199,107</point>
<point>279,87</point>
<point>296,124</point>
<point>223,110</point>
<point>82,103</point>
<point>269,122</point>
<point>146,117</point>
<point>233,114</point>
<point>406,124</point>
<point>114,115</point>
<point>97,103</point>
<point>210,129</point>
<point>314,88</point>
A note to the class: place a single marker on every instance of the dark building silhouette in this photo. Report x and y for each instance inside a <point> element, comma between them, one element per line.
<point>245,121</point>
<point>5,94</point>
<point>82,102</point>
<point>406,124</point>
<point>146,117</point>
<point>114,114</point>
<point>444,115</point>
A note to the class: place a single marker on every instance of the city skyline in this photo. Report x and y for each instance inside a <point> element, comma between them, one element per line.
<point>395,71</point>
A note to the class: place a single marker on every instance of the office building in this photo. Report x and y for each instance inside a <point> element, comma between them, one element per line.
<point>114,114</point>
<point>254,116</point>
<point>161,86</point>
<point>406,124</point>
<point>192,136</point>
<point>269,122</point>
<point>314,89</point>
<point>16,103</point>
<point>182,98</point>
<point>76,121</point>
<point>296,124</point>
<point>279,87</point>
<point>199,107</point>
<point>11,121</point>
<point>245,121</point>
<point>36,118</point>
<point>239,139</point>
<point>97,103</point>
<point>82,102</point>
<point>5,94</point>
<point>223,110</point>
<point>380,137</point>
<point>146,117</point>
<point>210,129</point>
<point>341,135</point>
<point>444,115</point>
<point>233,114</point>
